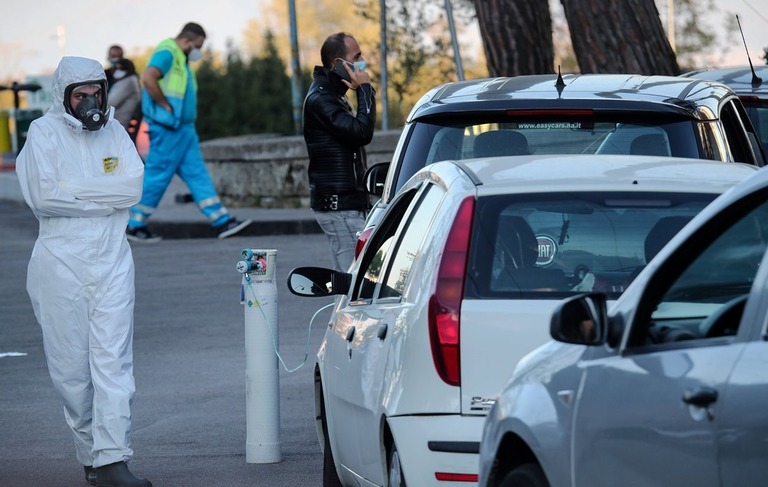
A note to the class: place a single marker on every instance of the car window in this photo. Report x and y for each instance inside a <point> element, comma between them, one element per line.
<point>559,244</point>
<point>435,140</point>
<point>752,132</point>
<point>636,140</point>
<point>707,297</point>
<point>410,243</point>
<point>758,113</point>
<point>735,132</point>
<point>375,253</point>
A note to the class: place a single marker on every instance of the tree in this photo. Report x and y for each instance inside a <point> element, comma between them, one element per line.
<point>619,36</point>
<point>271,111</point>
<point>316,20</point>
<point>696,42</point>
<point>244,96</point>
<point>517,36</point>
<point>418,50</point>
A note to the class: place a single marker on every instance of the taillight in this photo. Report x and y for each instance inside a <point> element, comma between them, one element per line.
<point>445,303</point>
<point>361,239</point>
<point>556,112</point>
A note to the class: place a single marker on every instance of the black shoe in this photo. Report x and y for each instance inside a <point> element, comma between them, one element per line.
<point>232,227</point>
<point>90,474</point>
<point>142,234</point>
<point>118,475</point>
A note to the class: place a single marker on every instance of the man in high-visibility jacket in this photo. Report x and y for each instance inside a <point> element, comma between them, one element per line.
<point>169,104</point>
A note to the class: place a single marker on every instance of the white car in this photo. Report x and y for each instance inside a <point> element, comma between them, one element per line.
<point>457,283</point>
<point>669,388</point>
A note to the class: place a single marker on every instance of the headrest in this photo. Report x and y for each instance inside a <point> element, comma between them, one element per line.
<point>500,143</point>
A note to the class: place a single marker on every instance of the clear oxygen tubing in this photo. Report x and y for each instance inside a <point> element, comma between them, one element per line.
<point>256,263</point>
<point>249,285</point>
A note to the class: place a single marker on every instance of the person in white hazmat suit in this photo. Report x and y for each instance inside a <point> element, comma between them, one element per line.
<point>80,173</point>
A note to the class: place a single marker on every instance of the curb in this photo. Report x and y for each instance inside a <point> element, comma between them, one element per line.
<point>183,230</point>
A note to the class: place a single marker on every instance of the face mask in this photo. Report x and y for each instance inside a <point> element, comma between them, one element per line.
<point>359,65</point>
<point>119,74</point>
<point>194,55</point>
<point>113,61</point>
<point>88,113</point>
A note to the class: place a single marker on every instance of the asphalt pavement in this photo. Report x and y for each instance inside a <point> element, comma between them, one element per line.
<point>189,412</point>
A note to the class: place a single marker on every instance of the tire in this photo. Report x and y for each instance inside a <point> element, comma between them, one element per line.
<point>395,470</point>
<point>330,477</point>
<point>526,475</point>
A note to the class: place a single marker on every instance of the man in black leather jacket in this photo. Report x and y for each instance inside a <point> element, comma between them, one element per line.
<point>336,135</point>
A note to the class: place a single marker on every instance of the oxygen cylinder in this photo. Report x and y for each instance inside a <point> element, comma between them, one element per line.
<point>259,297</point>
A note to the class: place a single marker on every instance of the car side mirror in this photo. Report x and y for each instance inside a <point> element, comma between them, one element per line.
<point>375,177</point>
<point>318,282</point>
<point>581,319</point>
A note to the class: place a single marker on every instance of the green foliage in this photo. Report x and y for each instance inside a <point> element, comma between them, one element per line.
<point>244,96</point>
<point>419,50</point>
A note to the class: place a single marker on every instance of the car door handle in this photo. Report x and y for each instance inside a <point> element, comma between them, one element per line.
<point>700,396</point>
<point>382,331</point>
<point>350,334</point>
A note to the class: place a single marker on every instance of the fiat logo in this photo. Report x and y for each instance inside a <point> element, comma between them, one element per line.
<point>547,250</point>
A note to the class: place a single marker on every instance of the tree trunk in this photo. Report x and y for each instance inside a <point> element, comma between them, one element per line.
<point>517,36</point>
<point>619,36</point>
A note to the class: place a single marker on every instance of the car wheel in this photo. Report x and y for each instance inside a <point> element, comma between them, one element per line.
<point>395,469</point>
<point>330,477</point>
<point>526,475</point>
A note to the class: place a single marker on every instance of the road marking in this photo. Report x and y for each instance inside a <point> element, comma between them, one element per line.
<point>12,354</point>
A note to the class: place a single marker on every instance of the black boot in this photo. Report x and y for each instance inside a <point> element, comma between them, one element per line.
<point>118,475</point>
<point>90,474</point>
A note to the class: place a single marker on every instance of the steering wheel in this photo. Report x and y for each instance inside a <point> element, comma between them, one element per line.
<point>725,320</point>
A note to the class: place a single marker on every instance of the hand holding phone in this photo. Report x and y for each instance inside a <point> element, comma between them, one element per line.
<point>340,69</point>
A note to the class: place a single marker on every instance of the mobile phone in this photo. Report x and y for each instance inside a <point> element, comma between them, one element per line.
<point>340,70</point>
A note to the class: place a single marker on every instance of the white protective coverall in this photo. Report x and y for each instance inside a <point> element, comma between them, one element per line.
<point>80,185</point>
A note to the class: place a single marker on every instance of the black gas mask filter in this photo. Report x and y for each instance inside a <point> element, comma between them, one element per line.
<point>90,112</point>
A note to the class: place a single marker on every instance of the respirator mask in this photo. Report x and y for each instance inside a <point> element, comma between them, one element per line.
<point>194,55</point>
<point>92,111</point>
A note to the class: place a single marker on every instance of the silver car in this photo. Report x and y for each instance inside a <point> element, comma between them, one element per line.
<point>669,387</point>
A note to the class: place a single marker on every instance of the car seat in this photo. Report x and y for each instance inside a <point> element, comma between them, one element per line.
<point>500,143</point>
<point>518,249</point>
<point>650,145</point>
<point>661,233</point>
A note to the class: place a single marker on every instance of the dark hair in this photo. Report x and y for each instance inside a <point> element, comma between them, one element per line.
<point>191,30</point>
<point>115,46</point>
<point>333,47</point>
<point>127,66</point>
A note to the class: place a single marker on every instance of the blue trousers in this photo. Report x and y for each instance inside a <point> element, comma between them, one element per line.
<point>176,152</point>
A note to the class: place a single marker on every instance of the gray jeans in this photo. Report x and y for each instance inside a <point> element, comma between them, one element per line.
<point>341,228</point>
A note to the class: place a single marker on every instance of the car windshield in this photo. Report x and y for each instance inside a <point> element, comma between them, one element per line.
<point>436,140</point>
<point>560,244</point>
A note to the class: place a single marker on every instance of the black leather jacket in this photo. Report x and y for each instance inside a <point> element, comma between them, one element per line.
<point>335,137</point>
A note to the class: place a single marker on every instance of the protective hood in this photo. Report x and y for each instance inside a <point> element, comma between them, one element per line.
<point>71,70</point>
<point>76,70</point>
